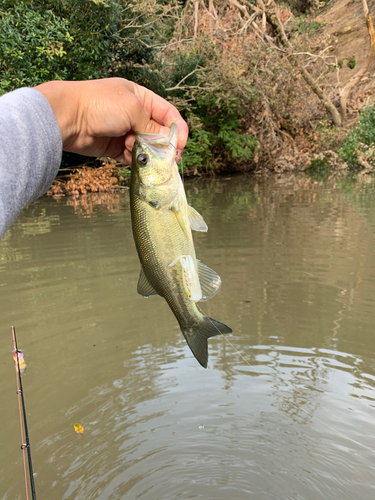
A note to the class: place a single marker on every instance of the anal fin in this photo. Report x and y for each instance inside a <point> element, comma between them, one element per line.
<point>144,287</point>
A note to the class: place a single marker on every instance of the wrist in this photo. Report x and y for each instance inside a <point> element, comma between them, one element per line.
<point>63,97</point>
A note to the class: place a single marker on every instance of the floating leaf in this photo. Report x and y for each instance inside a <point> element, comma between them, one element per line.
<point>78,428</point>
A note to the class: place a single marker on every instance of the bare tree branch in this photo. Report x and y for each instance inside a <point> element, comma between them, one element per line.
<point>327,103</point>
<point>179,83</point>
<point>165,45</point>
<point>196,7</point>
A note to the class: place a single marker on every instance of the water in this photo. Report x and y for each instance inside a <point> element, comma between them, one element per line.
<point>286,410</point>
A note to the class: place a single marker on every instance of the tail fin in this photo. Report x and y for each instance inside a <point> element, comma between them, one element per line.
<point>197,336</point>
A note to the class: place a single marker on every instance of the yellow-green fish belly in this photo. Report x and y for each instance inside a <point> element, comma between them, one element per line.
<point>160,240</point>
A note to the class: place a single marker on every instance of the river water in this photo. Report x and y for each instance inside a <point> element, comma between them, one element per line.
<point>286,408</point>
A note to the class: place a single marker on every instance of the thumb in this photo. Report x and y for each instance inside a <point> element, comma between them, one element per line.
<point>143,123</point>
<point>147,125</point>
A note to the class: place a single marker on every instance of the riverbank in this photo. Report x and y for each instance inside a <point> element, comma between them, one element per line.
<point>264,89</point>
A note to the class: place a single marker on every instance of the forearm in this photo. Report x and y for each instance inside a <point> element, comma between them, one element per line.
<point>95,118</point>
<point>30,151</point>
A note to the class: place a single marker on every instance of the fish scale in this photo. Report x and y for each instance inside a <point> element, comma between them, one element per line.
<point>157,249</point>
<point>161,223</point>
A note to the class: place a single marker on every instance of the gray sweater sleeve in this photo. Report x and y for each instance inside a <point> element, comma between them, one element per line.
<point>30,151</point>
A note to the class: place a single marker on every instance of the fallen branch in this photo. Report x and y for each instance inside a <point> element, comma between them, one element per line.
<point>242,8</point>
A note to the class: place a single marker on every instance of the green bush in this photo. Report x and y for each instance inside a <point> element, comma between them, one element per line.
<point>306,26</point>
<point>213,103</point>
<point>360,142</point>
<point>41,40</point>
<point>32,46</point>
<point>216,138</point>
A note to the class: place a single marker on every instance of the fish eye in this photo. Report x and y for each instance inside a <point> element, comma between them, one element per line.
<point>142,160</point>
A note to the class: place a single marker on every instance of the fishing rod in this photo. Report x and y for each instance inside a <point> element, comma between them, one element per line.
<point>22,410</point>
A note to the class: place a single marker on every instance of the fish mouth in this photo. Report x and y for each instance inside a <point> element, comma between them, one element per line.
<point>157,145</point>
<point>153,140</point>
<point>159,140</point>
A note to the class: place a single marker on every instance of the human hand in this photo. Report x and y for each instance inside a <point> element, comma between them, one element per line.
<point>99,117</point>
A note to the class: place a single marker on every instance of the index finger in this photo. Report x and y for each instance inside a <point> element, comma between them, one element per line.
<point>163,112</point>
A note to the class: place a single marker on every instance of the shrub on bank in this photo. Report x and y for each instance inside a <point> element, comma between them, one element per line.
<point>359,146</point>
<point>42,40</point>
<point>224,69</point>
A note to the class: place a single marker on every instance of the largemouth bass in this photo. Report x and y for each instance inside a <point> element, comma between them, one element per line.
<point>162,222</point>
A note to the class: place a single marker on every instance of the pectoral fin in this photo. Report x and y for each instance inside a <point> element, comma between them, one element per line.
<point>180,219</point>
<point>144,288</point>
<point>209,280</point>
<point>196,220</point>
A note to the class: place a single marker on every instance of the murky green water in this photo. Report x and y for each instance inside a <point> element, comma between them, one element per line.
<point>285,411</point>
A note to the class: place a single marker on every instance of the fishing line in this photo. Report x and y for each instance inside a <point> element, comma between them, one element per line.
<point>311,415</point>
<point>177,155</point>
<point>180,158</point>
<point>23,421</point>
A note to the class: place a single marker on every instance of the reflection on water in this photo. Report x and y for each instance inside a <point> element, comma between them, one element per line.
<point>286,407</point>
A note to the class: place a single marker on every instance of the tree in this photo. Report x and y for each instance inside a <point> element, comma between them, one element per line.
<point>42,40</point>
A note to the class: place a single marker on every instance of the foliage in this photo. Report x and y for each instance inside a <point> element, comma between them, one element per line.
<point>212,90</point>
<point>42,40</point>
<point>32,46</point>
<point>305,26</point>
<point>216,133</point>
<point>241,95</point>
<point>300,6</point>
<point>124,176</point>
<point>320,169</point>
<point>359,147</point>
<point>328,136</point>
<point>351,63</point>
<point>198,152</point>
<point>87,180</point>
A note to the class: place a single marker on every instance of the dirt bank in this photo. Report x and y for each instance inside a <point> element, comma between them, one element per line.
<point>346,30</point>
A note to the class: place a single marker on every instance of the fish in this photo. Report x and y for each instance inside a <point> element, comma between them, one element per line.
<point>162,224</point>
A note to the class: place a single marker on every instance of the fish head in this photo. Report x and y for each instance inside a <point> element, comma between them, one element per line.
<point>155,177</point>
